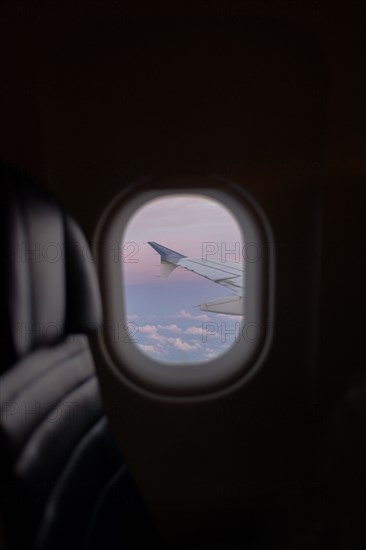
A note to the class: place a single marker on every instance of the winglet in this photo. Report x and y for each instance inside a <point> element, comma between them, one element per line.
<point>166,254</point>
<point>166,268</point>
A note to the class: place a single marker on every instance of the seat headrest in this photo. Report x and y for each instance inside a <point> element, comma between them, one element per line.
<point>48,280</point>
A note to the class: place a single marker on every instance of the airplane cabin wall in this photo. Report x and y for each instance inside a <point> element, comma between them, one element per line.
<point>275,104</point>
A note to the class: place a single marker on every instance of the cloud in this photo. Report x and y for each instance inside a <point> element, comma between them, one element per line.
<point>151,331</point>
<point>133,317</point>
<point>196,331</point>
<point>185,346</point>
<point>170,341</point>
<point>149,348</point>
<point>204,331</point>
<point>147,329</point>
<point>210,356</point>
<point>171,328</point>
<point>183,314</point>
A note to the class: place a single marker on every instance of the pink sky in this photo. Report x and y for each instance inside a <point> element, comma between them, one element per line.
<point>180,222</point>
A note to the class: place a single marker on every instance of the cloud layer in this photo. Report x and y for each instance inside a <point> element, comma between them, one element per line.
<point>192,338</point>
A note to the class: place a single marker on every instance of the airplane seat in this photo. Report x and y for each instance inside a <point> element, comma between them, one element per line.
<point>64,483</point>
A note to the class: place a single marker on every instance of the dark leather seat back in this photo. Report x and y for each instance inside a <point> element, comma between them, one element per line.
<point>63,479</point>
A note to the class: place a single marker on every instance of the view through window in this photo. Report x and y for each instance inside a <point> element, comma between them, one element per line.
<point>183,274</point>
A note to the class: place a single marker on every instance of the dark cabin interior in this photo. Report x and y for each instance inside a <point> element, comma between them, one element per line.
<point>270,95</point>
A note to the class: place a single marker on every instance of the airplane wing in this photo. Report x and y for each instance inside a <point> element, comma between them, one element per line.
<point>227,274</point>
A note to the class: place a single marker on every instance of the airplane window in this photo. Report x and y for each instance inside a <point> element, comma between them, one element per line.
<point>186,274</point>
<point>183,275</point>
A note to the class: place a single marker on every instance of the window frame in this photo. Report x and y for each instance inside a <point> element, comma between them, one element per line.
<point>243,358</point>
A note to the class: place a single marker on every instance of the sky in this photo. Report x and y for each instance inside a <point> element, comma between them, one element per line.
<point>164,313</point>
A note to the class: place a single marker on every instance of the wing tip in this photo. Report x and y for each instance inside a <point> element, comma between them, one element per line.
<point>166,254</point>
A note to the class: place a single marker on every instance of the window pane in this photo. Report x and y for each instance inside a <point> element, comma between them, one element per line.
<point>183,274</point>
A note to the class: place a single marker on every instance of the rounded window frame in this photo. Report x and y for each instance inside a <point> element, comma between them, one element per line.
<point>244,357</point>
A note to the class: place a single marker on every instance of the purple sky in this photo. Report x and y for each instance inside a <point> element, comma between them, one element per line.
<point>182,223</point>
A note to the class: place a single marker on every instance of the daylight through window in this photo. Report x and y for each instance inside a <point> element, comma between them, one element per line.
<point>183,278</point>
